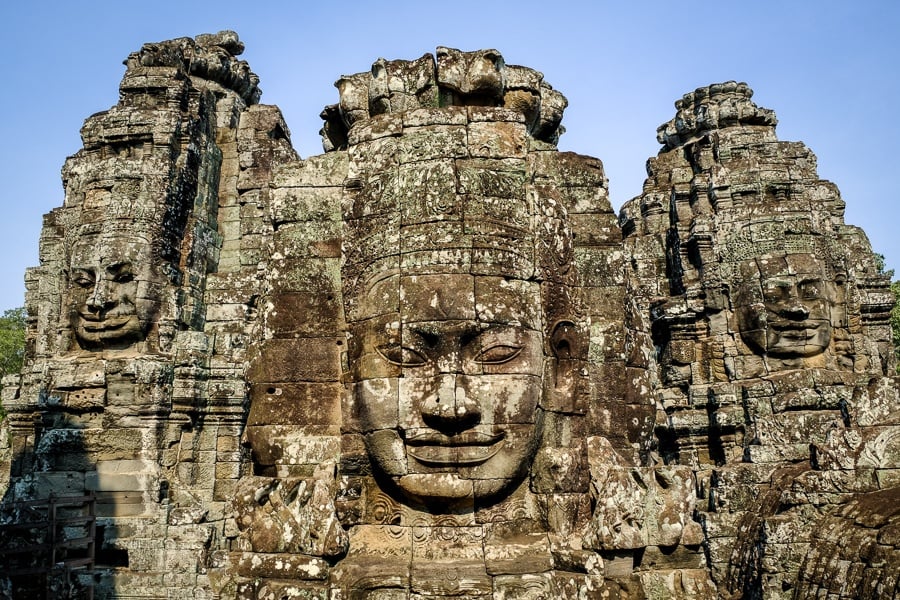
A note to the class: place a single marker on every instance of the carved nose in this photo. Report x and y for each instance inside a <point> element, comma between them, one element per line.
<point>795,310</point>
<point>451,410</point>
<point>100,297</point>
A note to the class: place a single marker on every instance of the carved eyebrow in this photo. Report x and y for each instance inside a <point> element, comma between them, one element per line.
<point>431,335</point>
<point>119,267</point>
<point>427,335</point>
<point>77,273</point>
<point>773,282</point>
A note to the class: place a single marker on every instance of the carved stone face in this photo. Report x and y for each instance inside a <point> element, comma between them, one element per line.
<point>447,388</point>
<point>114,290</point>
<point>784,306</point>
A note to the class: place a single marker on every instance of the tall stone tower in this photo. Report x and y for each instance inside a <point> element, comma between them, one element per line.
<point>431,362</point>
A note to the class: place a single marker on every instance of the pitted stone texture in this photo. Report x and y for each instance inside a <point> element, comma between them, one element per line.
<point>208,56</point>
<point>132,327</point>
<point>706,109</point>
<point>768,318</point>
<point>453,78</point>
<point>424,364</point>
<point>854,552</point>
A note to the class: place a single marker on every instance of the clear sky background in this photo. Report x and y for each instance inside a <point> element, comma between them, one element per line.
<point>830,69</point>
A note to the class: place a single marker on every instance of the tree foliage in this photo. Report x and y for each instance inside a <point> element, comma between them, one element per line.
<point>12,340</point>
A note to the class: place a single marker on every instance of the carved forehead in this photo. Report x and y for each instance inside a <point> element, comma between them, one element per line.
<point>786,265</point>
<point>112,248</point>
<point>790,246</point>
<point>454,296</point>
<point>124,174</point>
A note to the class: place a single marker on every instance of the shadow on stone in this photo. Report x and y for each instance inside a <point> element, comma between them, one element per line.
<point>49,532</point>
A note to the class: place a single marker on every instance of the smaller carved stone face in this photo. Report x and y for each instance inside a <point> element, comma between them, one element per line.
<point>448,388</point>
<point>114,290</point>
<point>784,305</point>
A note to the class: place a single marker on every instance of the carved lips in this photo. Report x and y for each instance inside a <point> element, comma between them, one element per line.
<point>93,322</point>
<point>803,330</point>
<point>469,448</point>
<point>803,338</point>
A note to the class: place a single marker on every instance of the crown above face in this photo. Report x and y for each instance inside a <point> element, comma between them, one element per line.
<point>452,78</point>
<point>712,107</point>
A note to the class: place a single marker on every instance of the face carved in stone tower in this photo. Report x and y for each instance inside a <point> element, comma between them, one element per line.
<point>448,389</point>
<point>784,307</point>
<point>456,276</point>
<point>114,290</point>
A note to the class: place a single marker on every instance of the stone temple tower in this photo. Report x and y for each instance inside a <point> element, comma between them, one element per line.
<point>431,362</point>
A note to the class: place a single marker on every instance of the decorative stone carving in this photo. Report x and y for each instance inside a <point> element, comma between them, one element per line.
<point>454,78</point>
<point>431,362</point>
<point>449,323</point>
<point>769,315</point>
<point>118,356</point>
<point>114,290</point>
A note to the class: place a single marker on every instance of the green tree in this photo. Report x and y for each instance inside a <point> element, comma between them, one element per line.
<point>12,340</point>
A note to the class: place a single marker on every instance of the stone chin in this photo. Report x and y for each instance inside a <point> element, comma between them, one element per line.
<point>451,488</point>
<point>468,472</point>
<point>92,332</point>
<point>794,340</point>
<point>805,340</point>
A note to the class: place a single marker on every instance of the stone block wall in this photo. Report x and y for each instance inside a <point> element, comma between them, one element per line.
<point>431,362</point>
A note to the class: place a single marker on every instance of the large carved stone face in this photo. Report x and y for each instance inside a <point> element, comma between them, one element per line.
<point>784,306</point>
<point>114,290</point>
<point>448,387</point>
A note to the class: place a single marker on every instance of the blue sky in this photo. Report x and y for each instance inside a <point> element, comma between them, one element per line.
<point>830,70</point>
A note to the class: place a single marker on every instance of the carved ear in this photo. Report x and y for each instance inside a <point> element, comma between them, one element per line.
<point>565,340</point>
<point>566,391</point>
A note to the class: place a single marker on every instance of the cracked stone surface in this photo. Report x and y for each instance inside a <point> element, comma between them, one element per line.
<point>431,362</point>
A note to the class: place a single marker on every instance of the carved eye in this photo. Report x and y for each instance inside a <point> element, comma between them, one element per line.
<point>810,291</point>
<point>124,277</point>
<point>401,356</point>
<point>82,279</point>
<point>771,292</point>
<point>774,293</point>
<point>499,354</point>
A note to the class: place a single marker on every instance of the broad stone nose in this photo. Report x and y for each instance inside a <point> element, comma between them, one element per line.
<point>450,363</point>
<point>451,410</point>
<point>101,296</point>
<point>792,306</point>
<point>795,310</point>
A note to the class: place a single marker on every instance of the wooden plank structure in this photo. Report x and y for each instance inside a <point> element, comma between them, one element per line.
<point>48,542</point>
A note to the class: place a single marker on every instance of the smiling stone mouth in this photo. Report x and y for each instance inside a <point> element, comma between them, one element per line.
<point>465,449</point>
<point>796,326</point>
<point>94,323</point>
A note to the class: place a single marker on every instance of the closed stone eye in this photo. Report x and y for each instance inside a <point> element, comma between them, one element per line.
<point>401,356</point>
<point>498,354</point>
<point>809,290</point>
<point>82,279</point>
